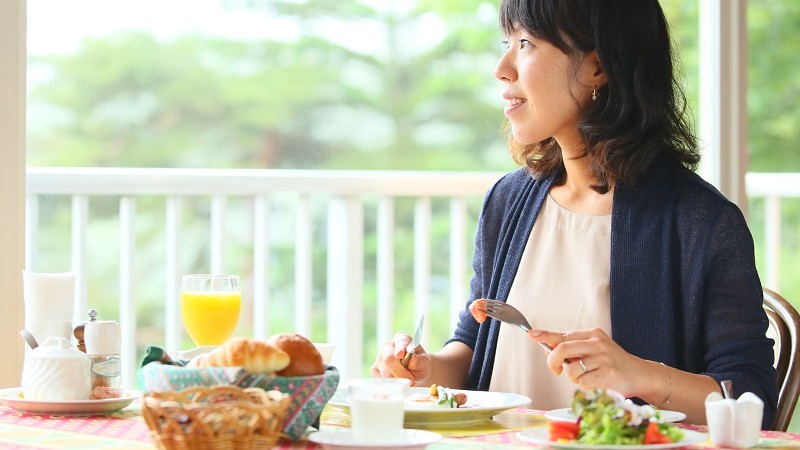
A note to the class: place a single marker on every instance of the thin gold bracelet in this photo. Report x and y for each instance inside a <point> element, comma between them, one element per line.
<point>668,398</point>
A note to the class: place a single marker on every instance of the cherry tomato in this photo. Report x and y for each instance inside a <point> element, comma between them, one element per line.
<point>561,430</point>
<point>652,435</point>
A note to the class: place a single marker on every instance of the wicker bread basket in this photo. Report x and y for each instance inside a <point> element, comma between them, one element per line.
<point>215,418</point>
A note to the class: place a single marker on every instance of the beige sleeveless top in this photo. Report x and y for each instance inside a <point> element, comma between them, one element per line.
<point>562,284</point>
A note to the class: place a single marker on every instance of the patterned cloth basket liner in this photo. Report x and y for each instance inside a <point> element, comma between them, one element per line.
<point>309,394</point>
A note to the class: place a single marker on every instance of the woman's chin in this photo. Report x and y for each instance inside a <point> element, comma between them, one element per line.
<point>522,138</point>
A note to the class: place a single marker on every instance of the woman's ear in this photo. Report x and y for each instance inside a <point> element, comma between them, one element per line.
<point>595,75</point>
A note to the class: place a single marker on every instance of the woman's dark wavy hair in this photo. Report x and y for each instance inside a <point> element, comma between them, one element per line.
<point>641,113</point>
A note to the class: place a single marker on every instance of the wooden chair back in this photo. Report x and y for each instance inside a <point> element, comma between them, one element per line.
<point>785,323</point>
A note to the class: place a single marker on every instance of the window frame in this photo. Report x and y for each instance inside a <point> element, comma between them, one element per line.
<point>12,185</point>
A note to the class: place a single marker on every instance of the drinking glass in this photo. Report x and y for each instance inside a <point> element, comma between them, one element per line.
<point>210,306</point>
<point>377,408</point>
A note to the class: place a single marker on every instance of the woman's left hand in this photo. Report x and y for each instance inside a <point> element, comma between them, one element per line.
<point>594,360</point>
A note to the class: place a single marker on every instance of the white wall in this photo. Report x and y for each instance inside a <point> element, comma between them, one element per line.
<point>12,187</point>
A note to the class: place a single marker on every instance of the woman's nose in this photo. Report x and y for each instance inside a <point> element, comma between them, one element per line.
<point>504,71</point>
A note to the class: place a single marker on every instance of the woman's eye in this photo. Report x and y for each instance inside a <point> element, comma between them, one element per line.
<point>523,43</point>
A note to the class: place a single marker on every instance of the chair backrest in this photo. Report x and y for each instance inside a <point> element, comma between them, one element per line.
<point>785,322</point>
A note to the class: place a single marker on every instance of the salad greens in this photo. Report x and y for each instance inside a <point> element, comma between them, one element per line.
<point>606,417</point>
<point>446,397</point>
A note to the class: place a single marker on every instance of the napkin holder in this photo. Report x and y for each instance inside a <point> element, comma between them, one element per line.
<point>49,299</point>
<point>734,423</point>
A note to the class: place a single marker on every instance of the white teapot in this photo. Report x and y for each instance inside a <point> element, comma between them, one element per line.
<point>54,371</point>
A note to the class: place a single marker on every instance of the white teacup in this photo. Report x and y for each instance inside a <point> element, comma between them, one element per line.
<point>377,408</point>
<point>54,371</point>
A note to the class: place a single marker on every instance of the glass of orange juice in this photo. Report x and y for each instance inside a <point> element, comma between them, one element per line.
<point>210,306</point>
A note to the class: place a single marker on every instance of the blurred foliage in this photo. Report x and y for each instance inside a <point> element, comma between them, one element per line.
<point>417,92</point>
<point>201,101</point>
<point>774,90</point>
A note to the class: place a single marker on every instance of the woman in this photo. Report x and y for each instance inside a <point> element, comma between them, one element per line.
<point>606,232</point>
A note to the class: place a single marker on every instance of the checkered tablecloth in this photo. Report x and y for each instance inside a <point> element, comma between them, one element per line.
<point>126,430</point>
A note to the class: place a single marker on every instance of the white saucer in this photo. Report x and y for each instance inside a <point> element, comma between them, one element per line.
<point>13,398</point>
<point>343,439</point>
<point>565,414</point>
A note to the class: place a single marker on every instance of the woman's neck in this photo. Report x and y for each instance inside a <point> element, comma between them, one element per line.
<point>575,191</point>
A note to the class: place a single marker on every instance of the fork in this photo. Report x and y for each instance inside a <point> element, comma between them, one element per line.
<point>504,312</point>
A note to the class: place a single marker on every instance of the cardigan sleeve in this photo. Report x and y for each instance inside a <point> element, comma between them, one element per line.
<point>490,223</point>
<point>735,328</point>
<point>467,328</point>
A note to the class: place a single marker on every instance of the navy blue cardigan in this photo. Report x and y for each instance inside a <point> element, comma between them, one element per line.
<point>684,287</point>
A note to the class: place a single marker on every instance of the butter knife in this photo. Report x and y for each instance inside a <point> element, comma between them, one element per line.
<point>412,347</point>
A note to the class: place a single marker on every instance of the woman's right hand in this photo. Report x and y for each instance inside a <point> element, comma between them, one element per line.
<point>387,363</point>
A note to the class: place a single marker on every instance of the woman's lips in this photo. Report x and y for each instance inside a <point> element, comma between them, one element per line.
<point>513,104</point>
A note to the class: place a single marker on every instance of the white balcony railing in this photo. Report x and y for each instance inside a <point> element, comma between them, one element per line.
<point>344,193</point>
<point>772,187</point>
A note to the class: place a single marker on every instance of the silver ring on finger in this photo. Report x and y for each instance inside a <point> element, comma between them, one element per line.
<point>583,366</point>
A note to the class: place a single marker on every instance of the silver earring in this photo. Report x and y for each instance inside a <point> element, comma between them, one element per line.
<point>594,95</point>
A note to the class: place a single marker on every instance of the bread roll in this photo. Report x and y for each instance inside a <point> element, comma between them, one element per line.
<point>257,357</point>
<point>305,359</point>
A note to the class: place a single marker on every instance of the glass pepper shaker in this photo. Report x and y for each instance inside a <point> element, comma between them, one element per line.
<point>103,339</point>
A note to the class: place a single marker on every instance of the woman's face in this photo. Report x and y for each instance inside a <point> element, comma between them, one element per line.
<point>543,96</point>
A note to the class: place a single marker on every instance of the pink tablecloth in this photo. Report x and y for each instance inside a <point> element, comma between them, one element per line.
<point>126,430</point>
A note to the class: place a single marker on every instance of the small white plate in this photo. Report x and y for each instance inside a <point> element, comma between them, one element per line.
<point>343,439</point>
<point>566,415</point>
<point>11,398</point>
<point>541,436</point>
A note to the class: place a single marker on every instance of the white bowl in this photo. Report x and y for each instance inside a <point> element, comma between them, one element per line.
<point>326,350</point>
<point>191,353</point>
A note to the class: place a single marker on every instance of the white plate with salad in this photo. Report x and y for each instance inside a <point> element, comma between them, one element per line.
<point>541,436</point>
<point>420,411</point>
<point>567,415</point>
<point>609,420</point>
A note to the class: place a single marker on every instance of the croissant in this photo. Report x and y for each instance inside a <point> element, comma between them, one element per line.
<point>257,357</point>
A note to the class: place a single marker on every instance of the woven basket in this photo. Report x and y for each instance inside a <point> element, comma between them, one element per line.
<point>215,418</point>
<point>308,394</point>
